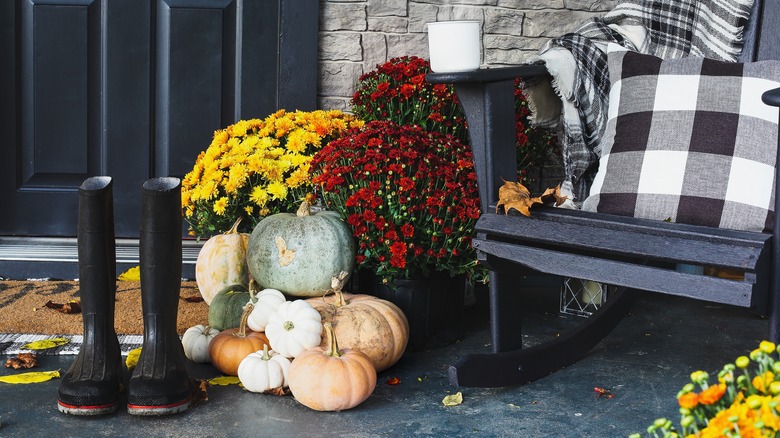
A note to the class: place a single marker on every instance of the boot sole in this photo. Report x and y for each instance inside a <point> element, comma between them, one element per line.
<point>87,411</point>
<point>159,410</point>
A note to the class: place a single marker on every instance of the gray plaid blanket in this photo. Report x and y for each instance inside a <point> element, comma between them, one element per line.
<point>577,63</point>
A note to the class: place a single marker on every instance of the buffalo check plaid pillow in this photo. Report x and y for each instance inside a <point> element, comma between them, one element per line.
<point>688,140</point>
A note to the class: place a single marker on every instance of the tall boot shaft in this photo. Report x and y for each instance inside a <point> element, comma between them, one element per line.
<point>96,247</point>
<point>160,248</point>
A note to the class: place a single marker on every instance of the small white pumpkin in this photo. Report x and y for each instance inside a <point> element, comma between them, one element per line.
<point>267,301</point>
<point>196,342</point>
<point>294,328</point>
<point>263,370</point>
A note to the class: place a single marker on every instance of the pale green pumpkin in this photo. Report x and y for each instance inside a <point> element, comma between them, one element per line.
<point>298,254</point>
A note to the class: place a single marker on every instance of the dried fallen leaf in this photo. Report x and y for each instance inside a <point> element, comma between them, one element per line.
<point>515,195</point>
<point>453,399</point>
<point>199,391</point>
<point>22,360</point>
<point>33,377</point>
<point>224,380</point>
<point>132,274</point>
<point>193,299</point>
<point>132,358</point>
<point>278,391</point>
<point>45,344</point>
<point>603,392</point>
<point>70,307</point>
<point>392,381</point>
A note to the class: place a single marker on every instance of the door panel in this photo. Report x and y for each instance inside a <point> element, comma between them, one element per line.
<point>195,78</point>
<point>134,89</point>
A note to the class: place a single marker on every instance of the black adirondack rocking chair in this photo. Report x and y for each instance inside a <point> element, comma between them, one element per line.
<point>633,254</point>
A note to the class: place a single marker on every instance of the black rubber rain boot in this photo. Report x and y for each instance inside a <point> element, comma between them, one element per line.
<point>91,384</point>
<point>160,384</point>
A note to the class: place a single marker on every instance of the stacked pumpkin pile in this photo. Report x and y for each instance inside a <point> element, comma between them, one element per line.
<point>301,330</point>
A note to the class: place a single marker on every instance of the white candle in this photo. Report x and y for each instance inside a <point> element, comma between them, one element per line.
<point>454,46</point>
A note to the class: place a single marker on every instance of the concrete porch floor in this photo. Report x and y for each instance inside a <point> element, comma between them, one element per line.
<point>644,362</point>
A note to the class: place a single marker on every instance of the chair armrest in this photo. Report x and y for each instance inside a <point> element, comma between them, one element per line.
<point>772,97</point>
<point>484,75</point>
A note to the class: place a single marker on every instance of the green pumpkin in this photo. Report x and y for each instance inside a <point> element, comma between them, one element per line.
<point>226,307</point>
<point>300,253</point>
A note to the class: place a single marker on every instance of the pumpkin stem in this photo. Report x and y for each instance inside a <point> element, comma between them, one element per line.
<point>288,325</point>
<point>248,307</point>
<point>266,356</point>
<point>336,285</point>
<point>304,209</point>
<point>234,228</point>
<point>332,347</point>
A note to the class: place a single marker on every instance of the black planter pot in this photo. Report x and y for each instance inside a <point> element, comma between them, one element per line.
<point>433,305</point>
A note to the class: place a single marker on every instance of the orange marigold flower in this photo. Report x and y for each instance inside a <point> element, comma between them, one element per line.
<point>761,382</point>
<point>712,394</point>
<point>688,400</point>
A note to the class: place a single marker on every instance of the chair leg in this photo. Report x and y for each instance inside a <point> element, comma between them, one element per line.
<point>519,366</point>
<point>505,300</point>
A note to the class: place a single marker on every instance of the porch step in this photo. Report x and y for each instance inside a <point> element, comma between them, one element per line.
<point>46,257</point>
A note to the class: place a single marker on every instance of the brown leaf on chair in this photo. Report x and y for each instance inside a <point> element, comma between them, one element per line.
<point>553,194</point>
<point>515,195</point>
<point>70,307</point>
<point>22,360</point>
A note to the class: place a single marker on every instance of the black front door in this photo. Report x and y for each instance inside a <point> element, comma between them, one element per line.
<point>134,89</point>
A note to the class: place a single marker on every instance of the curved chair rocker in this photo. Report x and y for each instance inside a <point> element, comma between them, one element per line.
<point>633,254</point>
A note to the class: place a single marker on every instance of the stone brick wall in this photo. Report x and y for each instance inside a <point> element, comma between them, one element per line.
<point>356,35</point>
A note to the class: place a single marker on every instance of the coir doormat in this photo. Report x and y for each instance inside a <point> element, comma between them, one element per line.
<point>23,308</point>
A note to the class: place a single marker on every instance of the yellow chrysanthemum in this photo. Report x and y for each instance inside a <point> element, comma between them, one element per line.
<point>298,177</point>
<point>237,176</point>
<point>259,196</point>
<point>238,129</point>
<point>220,137</point>
<point>296,141</point>
<point>277,190</point>
<point>220,205</point>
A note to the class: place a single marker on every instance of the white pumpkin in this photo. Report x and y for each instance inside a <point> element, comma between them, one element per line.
<point>263,370</point>
<point>294,328</point>
<point>267,301</point>
<point>196,342</point>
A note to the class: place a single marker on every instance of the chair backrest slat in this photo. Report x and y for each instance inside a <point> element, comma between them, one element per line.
<point>762,40</point>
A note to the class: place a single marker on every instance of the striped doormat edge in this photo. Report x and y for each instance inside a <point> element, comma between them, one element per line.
<point>13,343</point>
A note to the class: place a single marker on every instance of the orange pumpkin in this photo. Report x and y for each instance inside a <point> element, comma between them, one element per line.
<point>222,262</point>
<point>231,346</point>
<point>329,379</point>
<point>365,323</point>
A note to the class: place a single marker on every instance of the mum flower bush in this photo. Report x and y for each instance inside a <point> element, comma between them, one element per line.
<point>255,168</point>
<point>397,91</point>
<point>410,196</point>
<point>743,402</point>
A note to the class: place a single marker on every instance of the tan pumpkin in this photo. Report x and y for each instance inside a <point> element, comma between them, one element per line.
<point>371,325</point>
<point>330,379</point>
<point>231,346</point>
<point>222,262</point>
